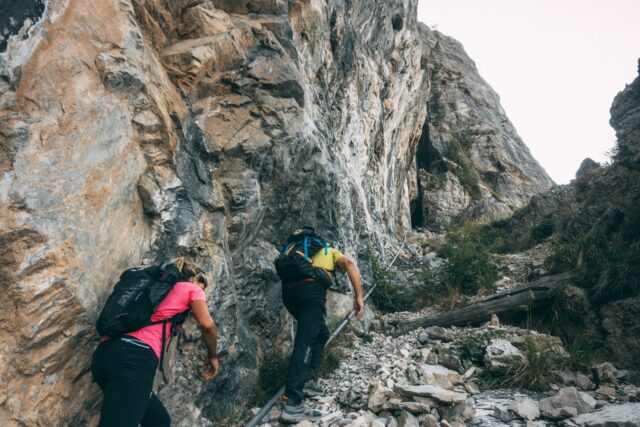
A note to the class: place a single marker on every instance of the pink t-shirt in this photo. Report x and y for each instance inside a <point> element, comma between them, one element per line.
<point>177,300</point>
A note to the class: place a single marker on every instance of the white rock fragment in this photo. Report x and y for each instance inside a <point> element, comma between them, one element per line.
<point>525,408</point>
<point>433,391</point>
<point>502,357</point>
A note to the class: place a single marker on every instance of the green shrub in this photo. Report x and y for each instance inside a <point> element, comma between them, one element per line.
<point>607,263</point>
<point>542,229</point>
<point>471,346</point>
<point>611,269</point>
<point>468,266</point>
<point>449,298</point>
<point>388,296</point>
<point>392,295</point>
<point>564,255</point>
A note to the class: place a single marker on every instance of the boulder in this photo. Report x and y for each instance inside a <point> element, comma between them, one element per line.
<point>525,408</point>
<point>364,420</point>
<point>621,319</point>
<point>584,382</point>
<point>415,407</point>
<point>433,391</point>
<point>423,337</point>
<point>406,419</point>
<point>460,412</point>
<point>378,397</point>
<point>432,372</point>
<point>625,415</point>
<point>564,400</point>
<point>502,357</point>
<point>502,413</point>
<point>606,372</point>
<point>439,333</point>
<point>566,377</point>
<point>558,414</point>
<point>452,362</point>
<point>632,391</point>
<point>472,388</point>
<point>428,420</point>
<point>605,390</point>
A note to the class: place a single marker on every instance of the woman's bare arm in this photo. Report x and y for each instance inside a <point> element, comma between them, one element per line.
<point>209,336</point>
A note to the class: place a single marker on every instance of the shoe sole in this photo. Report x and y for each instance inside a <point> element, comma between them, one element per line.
<point>313,394</point>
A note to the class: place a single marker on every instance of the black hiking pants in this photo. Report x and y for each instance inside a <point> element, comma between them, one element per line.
<point>307,304</point>
<point>124,369</point>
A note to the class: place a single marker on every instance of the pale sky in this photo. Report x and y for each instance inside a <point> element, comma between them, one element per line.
<point>556,64</point>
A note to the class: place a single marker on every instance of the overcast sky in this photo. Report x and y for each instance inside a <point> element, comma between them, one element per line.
<point>556,64</point>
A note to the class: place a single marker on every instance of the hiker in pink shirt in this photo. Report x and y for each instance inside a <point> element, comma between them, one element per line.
<point>124,367</point>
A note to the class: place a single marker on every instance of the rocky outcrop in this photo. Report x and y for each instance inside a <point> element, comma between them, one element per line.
<point>470,162</point>
<point>593,224</point>
<point>195,128</point>
<point>139,130</point>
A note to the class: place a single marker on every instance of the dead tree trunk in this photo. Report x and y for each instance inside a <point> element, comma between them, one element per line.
<point>522,298</point>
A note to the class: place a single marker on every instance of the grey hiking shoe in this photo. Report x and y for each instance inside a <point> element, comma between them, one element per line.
<point>293,414</point>
<point>312,389</point>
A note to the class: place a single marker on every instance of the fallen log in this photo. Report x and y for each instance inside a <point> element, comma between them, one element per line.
<point>519,299</point>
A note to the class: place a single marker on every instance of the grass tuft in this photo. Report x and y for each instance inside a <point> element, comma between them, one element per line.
<point>534,373</point>
<point>583,353</point>
<point>542,229</point>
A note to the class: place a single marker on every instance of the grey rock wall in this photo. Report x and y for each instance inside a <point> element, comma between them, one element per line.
<point>139,130</point>
<point>471,162</point>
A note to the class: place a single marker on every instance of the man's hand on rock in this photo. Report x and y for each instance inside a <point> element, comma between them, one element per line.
<point>358,306</point>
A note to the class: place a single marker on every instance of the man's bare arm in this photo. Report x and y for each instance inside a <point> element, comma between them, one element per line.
<point>356,282</point>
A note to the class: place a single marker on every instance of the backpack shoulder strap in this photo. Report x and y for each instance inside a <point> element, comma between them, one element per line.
<point>176,320</point>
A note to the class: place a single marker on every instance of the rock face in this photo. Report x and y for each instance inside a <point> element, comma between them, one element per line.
<point>596,216</point>
<point>470,160</point>
<point>210,129</point>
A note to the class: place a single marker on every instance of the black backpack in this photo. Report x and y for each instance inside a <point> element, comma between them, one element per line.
<point>134,299</point>
<point>294,262</point>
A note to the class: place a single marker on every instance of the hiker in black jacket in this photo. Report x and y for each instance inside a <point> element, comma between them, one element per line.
<point>305,298</point>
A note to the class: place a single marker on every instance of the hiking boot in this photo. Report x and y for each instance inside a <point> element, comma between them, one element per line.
<point>312,389</point>
<point>293,414</point>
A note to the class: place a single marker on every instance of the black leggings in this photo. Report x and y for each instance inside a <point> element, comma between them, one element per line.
<point>307,304</point>
<point>125,371</point>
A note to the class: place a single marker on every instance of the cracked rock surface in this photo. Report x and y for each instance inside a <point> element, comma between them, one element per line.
<point>134,131</point>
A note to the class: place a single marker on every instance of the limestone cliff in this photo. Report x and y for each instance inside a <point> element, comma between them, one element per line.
<point>471,163</point>
<point>138,130</point>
